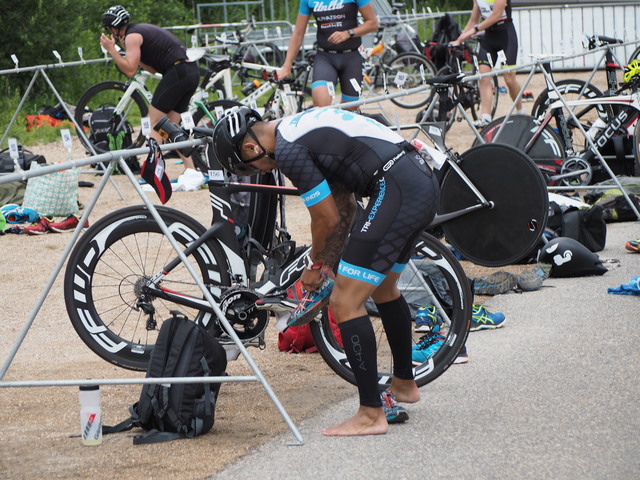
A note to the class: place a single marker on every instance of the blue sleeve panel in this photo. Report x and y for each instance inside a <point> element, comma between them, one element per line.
<point>316,194</point>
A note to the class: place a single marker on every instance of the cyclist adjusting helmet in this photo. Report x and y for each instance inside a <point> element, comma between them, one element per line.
<point>228,137</point>
<point>115,16</point>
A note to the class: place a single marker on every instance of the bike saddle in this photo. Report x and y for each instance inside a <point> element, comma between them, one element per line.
<point>450,79</point>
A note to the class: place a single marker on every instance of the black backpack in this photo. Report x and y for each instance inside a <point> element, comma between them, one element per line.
<point>182,410</point>
<point>104,123</point>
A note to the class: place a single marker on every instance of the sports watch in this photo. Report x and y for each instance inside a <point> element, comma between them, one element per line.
<point>352,33</point>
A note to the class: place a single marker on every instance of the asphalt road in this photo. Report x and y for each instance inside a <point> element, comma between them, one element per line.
<point>552,395</point>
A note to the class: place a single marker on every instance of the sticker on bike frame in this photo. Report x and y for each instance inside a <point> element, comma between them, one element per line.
<point>66,138</point>
<point>216,175</point>
<point>145,124</point>
<point>187,120</point>
<point>399,79</point>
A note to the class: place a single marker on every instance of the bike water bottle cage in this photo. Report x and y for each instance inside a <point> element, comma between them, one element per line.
<point>115,16</point>
<point>631,70</point>
<point>228,136</point>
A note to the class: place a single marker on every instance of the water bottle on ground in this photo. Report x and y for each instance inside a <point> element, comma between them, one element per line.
<point>90,415</point>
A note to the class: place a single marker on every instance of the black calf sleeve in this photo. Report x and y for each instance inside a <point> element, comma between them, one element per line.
<point>359,342</point>
<point>396,319</point>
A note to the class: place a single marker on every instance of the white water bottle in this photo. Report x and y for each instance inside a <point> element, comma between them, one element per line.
<point>90,415</point>
<point>597,126</point>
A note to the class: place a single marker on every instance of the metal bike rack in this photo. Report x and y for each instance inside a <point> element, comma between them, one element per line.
<point>112,158</point>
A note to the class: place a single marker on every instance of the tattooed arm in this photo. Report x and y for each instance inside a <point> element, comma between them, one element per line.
<point>330,223</point>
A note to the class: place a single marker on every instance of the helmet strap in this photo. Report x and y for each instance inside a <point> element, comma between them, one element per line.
<point>265,152</point>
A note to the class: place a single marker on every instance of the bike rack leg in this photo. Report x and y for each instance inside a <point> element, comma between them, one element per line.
<point>230,331</point>
<point>54,274</point>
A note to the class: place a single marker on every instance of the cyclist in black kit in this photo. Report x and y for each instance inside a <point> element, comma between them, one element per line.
<point>157,51</point>
<point>337,57</point>
<point>493,17</point>
<point>330,155</point>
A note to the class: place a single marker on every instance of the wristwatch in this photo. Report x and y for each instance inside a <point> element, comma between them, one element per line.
<point>352,33</point>
<point>476,28</point>
<point>310,265</point>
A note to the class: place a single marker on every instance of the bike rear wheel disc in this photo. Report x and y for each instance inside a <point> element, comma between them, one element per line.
<point>109,267</point>
<point>434,277</point>
<point>512,227</point>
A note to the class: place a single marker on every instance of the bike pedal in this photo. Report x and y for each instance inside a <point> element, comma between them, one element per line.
<point>276,305</point>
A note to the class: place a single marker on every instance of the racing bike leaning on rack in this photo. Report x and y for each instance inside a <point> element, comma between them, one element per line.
<point>123,278</point>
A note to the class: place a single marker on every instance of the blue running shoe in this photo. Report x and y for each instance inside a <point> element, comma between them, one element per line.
<point>483,319</point>
<point>427,347</point>
<point>393,411</point>
<point>310,304</point>
<point>427,320</point>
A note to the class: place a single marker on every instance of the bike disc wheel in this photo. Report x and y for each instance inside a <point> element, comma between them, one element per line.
<point>546,149</point>
<point>511,228</point>
<point>433,277</point>
<point>108,269</point>
<point>415,68</point>
<point>110,93</point>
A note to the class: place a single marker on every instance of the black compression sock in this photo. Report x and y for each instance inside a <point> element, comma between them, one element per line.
<point>359,342</point>
<point>396,319</point>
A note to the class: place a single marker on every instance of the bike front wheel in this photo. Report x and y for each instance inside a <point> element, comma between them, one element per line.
<point>413,69</point>
<point>433,279</point>
<point>127,119</point>
<point>110,268</point>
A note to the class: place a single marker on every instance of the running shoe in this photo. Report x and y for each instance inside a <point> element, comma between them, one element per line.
<point>481,123</point>
<point>39,228</point>
<point>67,225</point>
<point>427,320</point>
<point>427,347</point>
<point>494,284</point>
<point>530,280</point>
<point>310,304</point>
<point>394,412</point>
<point>633,245</point>
<point>483,319</point>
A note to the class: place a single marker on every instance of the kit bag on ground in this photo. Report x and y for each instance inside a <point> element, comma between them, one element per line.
<point>181,410</point>
<point>25,157</point>
<point>586,225</point>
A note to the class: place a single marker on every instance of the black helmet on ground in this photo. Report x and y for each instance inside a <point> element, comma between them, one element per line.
<point>115,16</point>
<point>228,135</point>
<point>569,258</point>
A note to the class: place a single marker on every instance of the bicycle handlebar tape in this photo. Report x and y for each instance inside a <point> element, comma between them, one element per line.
<point>154,172</point>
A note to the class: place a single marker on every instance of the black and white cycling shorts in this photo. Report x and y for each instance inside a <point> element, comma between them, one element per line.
<point>402,204</point>
<point>343,67</point>
<point>502,37</point>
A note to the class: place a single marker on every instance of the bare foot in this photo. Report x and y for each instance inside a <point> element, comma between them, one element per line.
<point>405,391</point>
<point>368,421</point>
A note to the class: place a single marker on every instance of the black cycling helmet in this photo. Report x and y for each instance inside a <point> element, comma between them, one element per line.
<point>228,135</point>
<point>570,258</point>
<point>116,17</point>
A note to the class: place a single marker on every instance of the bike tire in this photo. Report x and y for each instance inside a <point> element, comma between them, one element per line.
<point>505,233</point>
<point>547,150</point>
<point>203,153</point>
<point>572,89</point>
<point>106,270</point>
<point>111,92</point>
<point>416,67</point>
<point>434,277</point>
